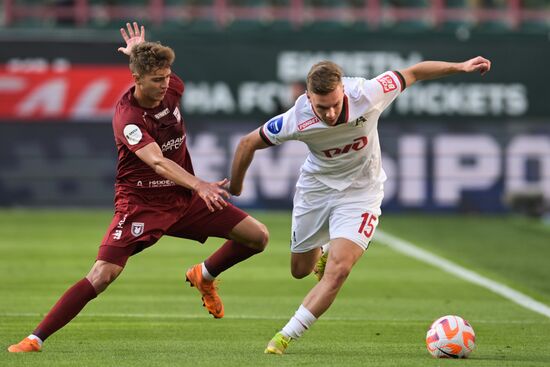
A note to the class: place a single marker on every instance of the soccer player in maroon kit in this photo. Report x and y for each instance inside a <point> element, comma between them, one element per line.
<point>156,192</point>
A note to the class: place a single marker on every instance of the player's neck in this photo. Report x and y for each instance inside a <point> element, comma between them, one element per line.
<point>144,101</point>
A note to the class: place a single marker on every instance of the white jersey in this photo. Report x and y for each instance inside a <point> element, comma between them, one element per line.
<point>347,154</point>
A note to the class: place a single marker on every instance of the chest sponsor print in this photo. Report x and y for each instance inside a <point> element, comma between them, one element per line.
<point>173,144</point>
<point>358,144</point>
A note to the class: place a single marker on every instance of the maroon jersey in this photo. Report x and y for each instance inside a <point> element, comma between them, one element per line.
<point>135,127</point>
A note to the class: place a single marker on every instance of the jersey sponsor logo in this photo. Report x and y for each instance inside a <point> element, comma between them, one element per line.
<point>387,83</point>
<point>133,134</point>
<point>162,113</point>
<point>137,228</point>
<point>177,114</point>
<point>275,125</point>
<point>358,144</point>
<point>304,125</point>
<point>161,183</point>
<point>172,144</point>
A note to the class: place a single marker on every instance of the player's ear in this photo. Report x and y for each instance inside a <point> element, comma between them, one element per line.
<point>137,78</point>
<point>307,94</point>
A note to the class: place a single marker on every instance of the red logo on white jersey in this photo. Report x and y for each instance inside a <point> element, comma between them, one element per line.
<point>305,124</point>
<point>357,145</point>
<point>387,83</point>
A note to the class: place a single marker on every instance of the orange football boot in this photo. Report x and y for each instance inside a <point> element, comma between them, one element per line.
<point>24,346</point>
<point>210,298</point>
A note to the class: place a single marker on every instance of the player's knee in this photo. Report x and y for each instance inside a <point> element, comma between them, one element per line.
<point>264,236</point>
<point>299,272</point>
<point>101,277</point>
<point>261,238</point>
<point>337,275</point>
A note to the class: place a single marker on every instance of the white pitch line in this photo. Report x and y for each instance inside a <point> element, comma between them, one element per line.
<point>414,251</point>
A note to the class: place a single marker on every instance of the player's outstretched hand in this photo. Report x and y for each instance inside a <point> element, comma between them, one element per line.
<point>479,63</point>
<point>213,194</point>
<point>135,36</point>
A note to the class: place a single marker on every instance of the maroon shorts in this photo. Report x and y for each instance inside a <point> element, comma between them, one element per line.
<point>141,220</point>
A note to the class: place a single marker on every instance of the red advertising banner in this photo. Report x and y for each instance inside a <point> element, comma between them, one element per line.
<point>81,92</point>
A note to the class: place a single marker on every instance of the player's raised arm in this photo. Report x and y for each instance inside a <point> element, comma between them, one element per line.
<point>134,36</point>
<point>212,193</point>
<point>242,159</point>
<point>427,70</point>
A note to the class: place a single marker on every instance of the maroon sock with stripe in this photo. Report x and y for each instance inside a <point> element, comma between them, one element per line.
<point>229,254</point>
<point>68,306</point>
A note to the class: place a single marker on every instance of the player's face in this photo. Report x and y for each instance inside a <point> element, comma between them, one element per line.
<point>328,107</point>
<point>151,88</point>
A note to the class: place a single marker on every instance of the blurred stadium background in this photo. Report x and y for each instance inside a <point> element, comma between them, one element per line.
<point>464,143</point>
<point>459,146</point>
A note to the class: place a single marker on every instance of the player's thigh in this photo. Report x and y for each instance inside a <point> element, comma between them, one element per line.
<point>310,223</point>
<point>356,219</point>
<point>132,229</point>
<point>198,222</point>
<point>342,256</point>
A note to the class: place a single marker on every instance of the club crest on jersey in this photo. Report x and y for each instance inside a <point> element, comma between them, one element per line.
<point>275,125</point>
<point>387,83</point>
<point>177,114</point>
<point>137,228</point>
<point>132,133</point>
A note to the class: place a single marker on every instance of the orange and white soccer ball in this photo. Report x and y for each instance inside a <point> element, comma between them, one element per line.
<point>450,337</point>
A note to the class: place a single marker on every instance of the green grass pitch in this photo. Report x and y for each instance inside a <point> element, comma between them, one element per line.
<point>150,317</point>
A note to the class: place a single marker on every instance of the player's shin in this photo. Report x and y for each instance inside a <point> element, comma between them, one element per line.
<point>229,254</point>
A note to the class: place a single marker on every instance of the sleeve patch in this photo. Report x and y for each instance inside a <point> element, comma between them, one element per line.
<point>133,134</point>
<point>275,125</point>
<point>387,83</point>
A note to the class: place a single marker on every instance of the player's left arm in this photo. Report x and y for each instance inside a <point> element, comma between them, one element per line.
<point>427,70</point>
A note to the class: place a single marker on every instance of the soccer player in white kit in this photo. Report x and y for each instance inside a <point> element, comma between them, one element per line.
<point>340,188</point>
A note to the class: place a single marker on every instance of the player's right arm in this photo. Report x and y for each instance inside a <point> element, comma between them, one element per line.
<point>243,157</point>
<point>212,193</point>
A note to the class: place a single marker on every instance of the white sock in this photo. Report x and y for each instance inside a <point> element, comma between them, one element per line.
<point>325,247</point>
<point>34,337</point>
<point>205,274</point>
<point>300,322</point>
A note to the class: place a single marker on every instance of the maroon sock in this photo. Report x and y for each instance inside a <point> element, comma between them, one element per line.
<point>68,306</point>
<point>229,254</point>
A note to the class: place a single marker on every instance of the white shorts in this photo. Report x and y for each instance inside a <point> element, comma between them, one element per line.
<point>323,215</point>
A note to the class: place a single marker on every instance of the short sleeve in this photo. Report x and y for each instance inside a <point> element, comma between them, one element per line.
<point>130,130</point>
<point>384,88</point>
<point>280,128</point>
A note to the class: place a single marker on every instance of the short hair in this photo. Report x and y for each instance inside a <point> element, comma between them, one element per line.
<point>324,77</point>
<point>147,57</point>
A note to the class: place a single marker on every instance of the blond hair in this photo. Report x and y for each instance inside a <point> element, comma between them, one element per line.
<point>147,57</point>
<point>324,77</point>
